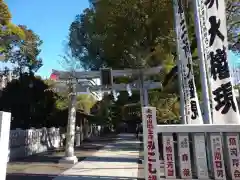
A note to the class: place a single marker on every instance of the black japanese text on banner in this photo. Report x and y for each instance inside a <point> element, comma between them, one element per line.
<point>225,110</point>
<point>184,84</point>
<point>202,11</point>
<point>151,151</point>
<point>193,111</point>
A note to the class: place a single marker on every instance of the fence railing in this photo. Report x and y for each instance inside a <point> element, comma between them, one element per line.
<point>187,151</point>
<point>199,151</point>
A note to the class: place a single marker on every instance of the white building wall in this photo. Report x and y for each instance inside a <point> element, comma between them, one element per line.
<point>94,82</point>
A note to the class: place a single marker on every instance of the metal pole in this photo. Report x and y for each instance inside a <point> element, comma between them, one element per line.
<point>207,117</point>
<point>141,96</point>
<point>143,93</point>
<point>182,103</point>
<point>144,102</point>
<point>145,96</point>
<point>204,81</point>
<point>179,64</point>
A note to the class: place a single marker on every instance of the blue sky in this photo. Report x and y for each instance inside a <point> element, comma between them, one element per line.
<point>50,20</point>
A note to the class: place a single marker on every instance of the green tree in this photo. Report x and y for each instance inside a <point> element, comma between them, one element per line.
<point>167,105</point>
<point>26,52</point>
<point>233,22</point>
<point>101,110</point>
<point>33,110</point>
<point>71,64</point>
<point>123,34</point>
<point>133,34</point>
<point>8,31</point>
<point>84,102</point>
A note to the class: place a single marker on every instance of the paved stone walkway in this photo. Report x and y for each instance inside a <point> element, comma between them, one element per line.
<point>117,160</point>
<point>45,166</point>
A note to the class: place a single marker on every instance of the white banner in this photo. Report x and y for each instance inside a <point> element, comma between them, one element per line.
<point>184,85</point>
<point>193,112</point>
<point>150,137</point>
<point>213,27</point>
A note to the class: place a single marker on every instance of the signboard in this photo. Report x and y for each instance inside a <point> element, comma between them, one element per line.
<point>169,158</point>
<point>151,151</point>
<point>214,31</point>
<point>232,141</point>
<point>193,112</point>
<point>184,156</point>
<point>217,157</point>
<point>200,155</point>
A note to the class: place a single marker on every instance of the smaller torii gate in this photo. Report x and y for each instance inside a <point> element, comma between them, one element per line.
<point>74,86</point>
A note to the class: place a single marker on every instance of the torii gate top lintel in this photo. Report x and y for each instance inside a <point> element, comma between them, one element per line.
<point>96,74</point>
<point>75,77</point>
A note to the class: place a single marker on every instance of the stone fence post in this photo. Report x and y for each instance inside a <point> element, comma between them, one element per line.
<point>5,119</point>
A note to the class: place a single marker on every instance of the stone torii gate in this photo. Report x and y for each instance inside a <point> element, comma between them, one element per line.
<point>74,86</point>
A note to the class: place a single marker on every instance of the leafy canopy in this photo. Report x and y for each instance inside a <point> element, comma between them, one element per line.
<point>8,31</point>
<point>125,34</point>
<point>121,34</point>
<point>25,53</point>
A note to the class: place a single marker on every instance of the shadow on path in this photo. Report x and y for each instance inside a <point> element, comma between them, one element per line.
<point>111,159</point>
<point>46,166</point>
<point>48,177</point>
<point>86,149</point>
<point>22,176</point>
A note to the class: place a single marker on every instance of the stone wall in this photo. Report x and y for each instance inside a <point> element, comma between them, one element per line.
<point>23,143</point>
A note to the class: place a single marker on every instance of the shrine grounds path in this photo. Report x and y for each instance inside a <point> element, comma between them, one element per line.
<point>107,158</point>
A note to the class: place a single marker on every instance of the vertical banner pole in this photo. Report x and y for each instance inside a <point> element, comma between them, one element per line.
<point>207,118</point>
<point>225,108</point>
<point>179,66</point>
<point>193,111</point>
